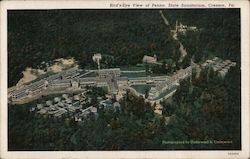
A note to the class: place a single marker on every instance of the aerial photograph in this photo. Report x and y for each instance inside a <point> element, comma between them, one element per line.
<point>124,79</point>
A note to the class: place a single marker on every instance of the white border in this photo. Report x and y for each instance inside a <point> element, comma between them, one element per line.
<point>94,4</point>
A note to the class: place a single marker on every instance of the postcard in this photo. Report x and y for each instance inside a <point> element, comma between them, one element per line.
<point>124,79</point>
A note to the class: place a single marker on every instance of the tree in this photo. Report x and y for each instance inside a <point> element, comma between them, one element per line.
<point>146,65</point>
<point>53,54</point>
<point>146,92</point>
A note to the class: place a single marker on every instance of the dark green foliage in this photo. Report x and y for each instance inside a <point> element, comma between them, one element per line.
<point>36,36</point>
<point>28,131</point>
<point>199,112</point>
<point>203,108</point>
<point>219,33</point>
<point>208,108</point>
<point>131,129</point>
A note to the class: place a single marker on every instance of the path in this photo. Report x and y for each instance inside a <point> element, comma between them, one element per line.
<point>175,37</point>
<point>164,18</point>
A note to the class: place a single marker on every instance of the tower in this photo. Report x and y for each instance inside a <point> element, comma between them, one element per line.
<point>96,58</point>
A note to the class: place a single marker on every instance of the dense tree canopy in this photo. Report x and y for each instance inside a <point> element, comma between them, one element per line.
<point>204,107</point>
<point>36,36</point>
<point>126,35</point>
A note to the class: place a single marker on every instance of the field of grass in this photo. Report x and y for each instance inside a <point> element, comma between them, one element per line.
<point>132,68</point>
<point>47,74</point>
<point>142,88</point>
<point>131,75</point>
<point>141,74</point>
<point>166,92</point>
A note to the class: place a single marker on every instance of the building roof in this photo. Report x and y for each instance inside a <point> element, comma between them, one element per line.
<point>60,104</point>
<point>117,104</point>
<point>149,59</point>
<point>42,111</point>
<point>59,113</point>
<point>158,112</point>
<point>39,106</point>
<point>68,100</point>
<point>97,56</point>
<point>93,109</point>
<point>76,97</point>
<point>49,102</point>
<point>65,96</point>
<point>57,99</point>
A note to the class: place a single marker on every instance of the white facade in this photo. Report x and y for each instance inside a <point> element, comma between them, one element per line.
<point>149,59</point>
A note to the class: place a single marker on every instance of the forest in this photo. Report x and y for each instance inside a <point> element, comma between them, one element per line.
<point>206,108</point>
<point>35,36</point>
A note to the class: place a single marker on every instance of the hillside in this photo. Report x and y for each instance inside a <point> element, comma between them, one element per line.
<point>205,108</point>
<point>36,36</point>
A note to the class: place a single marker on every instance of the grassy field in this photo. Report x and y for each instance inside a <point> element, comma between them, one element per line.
<point>142,88</point>
<point>140,74</point>
<point>166,92</point>
<point>132,68</point>
<point>47,74</point>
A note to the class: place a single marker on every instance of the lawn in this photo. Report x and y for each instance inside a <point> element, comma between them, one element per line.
<point>166,92</point>
<point>132,75</point>
<point>142,88</point>
<point>132,68</point>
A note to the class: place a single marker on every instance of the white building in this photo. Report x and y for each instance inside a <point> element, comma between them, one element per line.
<point>108,72</point>
<point>149,59</point>
<point>179,27</point>
<point>97,57</point>
<point>76,97</point>
<point>153,93</point>
<point>49,103</point>
<point>75,84</point>
<point>39,106</point>
<point>65,96</point>
<point>57,99</point>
